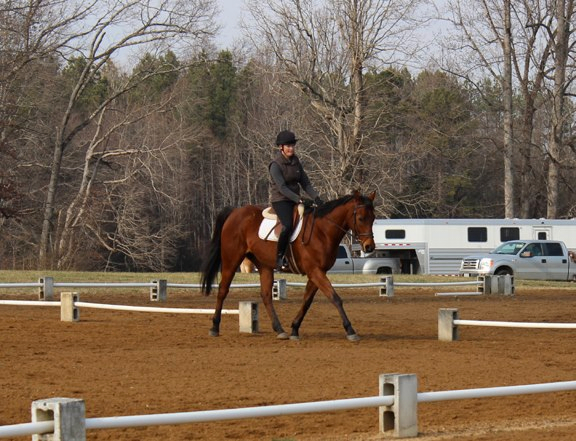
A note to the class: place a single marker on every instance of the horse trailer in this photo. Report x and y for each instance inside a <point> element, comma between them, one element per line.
<point>437,246</point>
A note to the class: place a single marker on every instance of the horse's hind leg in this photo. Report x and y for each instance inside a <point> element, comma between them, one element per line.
<point>223,290</point>
<point>266,282</point>
<point>311,290</point>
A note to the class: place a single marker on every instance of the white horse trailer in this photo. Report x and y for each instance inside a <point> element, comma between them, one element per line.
<point>437,246</point>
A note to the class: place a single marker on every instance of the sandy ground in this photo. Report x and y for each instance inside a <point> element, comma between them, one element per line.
<point>134,363</point>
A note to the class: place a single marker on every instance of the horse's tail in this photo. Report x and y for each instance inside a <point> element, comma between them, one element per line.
<point>211,265</point>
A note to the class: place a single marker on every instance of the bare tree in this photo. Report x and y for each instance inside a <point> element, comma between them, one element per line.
<point>323,50</point>
<point>485,30</point>
<point>563,47</point>
<point>108,29</point>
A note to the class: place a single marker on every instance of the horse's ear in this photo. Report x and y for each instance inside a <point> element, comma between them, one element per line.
<point>372,196</point>
<point>356,194</point>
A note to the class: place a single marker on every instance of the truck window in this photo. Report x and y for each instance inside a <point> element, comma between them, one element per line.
<point>477,234</point>
<point>553,249</point>
<point>509,233</point>
<point>342,253</point>
<point>534,248</point>
<point>395,234</point>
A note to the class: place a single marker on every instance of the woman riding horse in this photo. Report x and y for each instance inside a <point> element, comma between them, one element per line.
<point>314,252</point>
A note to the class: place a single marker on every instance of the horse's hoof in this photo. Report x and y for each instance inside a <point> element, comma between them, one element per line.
<point>214,333</point>
<point>282,336</point>
<point>295,337</point>
<point>353,337</point>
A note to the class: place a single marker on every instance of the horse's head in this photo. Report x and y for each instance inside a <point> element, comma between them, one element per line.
<point>362,218</point>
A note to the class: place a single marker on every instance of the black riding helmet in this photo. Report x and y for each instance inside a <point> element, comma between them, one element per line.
<point>286,137</point>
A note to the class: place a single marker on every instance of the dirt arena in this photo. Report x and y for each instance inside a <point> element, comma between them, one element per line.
<point>134,363</point>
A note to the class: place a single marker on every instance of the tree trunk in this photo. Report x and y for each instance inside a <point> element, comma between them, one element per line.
<point>509,210</point>
<point>564,10</point>
<point>47,221</point>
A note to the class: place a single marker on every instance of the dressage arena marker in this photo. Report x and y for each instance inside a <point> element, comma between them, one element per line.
<point>448,322</point>
<point>63,419</point>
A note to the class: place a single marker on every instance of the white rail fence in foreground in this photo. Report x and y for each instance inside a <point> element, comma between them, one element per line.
<point>159,288</point>
<point>64,418</point>
<point>449,320</point>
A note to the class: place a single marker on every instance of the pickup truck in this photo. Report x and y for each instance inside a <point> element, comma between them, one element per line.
<point>346,264</point>
<point>524,259</point>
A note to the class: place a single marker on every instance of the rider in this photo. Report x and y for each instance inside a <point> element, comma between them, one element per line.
<point>287,176</point>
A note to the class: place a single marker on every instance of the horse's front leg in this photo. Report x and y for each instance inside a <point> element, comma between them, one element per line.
<point>323,283</point>
<point>266,283</point>
<point>309,293</point>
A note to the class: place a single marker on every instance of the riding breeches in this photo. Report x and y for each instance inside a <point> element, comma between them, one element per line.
<point>285,212</point>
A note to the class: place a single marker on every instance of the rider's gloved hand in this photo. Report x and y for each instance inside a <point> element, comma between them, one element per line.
<point>307,203</point>
<point>318,201</point>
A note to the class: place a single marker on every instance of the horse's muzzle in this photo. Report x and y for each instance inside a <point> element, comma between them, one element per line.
<point>368,246</point>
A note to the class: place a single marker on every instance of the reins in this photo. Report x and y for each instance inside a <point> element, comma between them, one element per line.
<point>304,241</point>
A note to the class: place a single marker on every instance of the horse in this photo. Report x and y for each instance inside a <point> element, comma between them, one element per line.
<point>312,253</point>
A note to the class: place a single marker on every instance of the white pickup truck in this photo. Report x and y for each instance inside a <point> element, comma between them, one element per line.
<point>524,259</point>
<point>346,264</point>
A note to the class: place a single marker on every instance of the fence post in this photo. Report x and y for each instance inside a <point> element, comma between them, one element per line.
<point>447,330</point>
<point>158,291</point>
<point>402,415</point>
<point>68,415</point>
<point>68,310</point>
<point>279,290</point>
<point>486,284</point>
<point>248,312</point>
<point>46,291</point>
<point>388,289</point>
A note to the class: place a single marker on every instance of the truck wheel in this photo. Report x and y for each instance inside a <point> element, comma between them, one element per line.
<point>504,272</point>
<point>383,271</point>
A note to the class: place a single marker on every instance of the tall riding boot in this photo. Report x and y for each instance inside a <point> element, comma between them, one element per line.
<point>283,240</point>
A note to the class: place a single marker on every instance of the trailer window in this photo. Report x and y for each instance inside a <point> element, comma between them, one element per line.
<point>395,234</point>
<point>509,233</point>
<point>477,234</point>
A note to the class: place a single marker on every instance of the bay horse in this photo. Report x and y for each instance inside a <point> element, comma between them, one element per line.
<point>314,252</point>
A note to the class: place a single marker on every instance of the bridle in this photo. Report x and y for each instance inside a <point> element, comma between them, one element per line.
<point>355,233</point>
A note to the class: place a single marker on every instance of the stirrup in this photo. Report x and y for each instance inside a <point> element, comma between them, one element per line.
<point>282,264</point>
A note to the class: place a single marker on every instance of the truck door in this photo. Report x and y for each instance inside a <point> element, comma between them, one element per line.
<point>556,261</point>
<point>533,267</point>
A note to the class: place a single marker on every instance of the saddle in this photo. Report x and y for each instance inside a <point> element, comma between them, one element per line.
<point>270,227</point>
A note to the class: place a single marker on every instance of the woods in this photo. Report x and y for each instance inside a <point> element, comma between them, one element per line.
<point>124,129</point>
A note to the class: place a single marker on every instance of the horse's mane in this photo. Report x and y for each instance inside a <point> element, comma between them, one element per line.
<point>326,208</point>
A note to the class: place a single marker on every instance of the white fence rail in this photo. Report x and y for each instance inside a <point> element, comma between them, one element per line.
<point>69,310</point>
<point>65,418</point>
<point>158,288</point>
<point>449,320</point>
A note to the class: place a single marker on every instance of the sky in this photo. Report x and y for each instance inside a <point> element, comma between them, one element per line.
<point>229,17</point>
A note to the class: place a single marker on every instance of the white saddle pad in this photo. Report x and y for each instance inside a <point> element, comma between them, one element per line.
<point>266,230</point>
